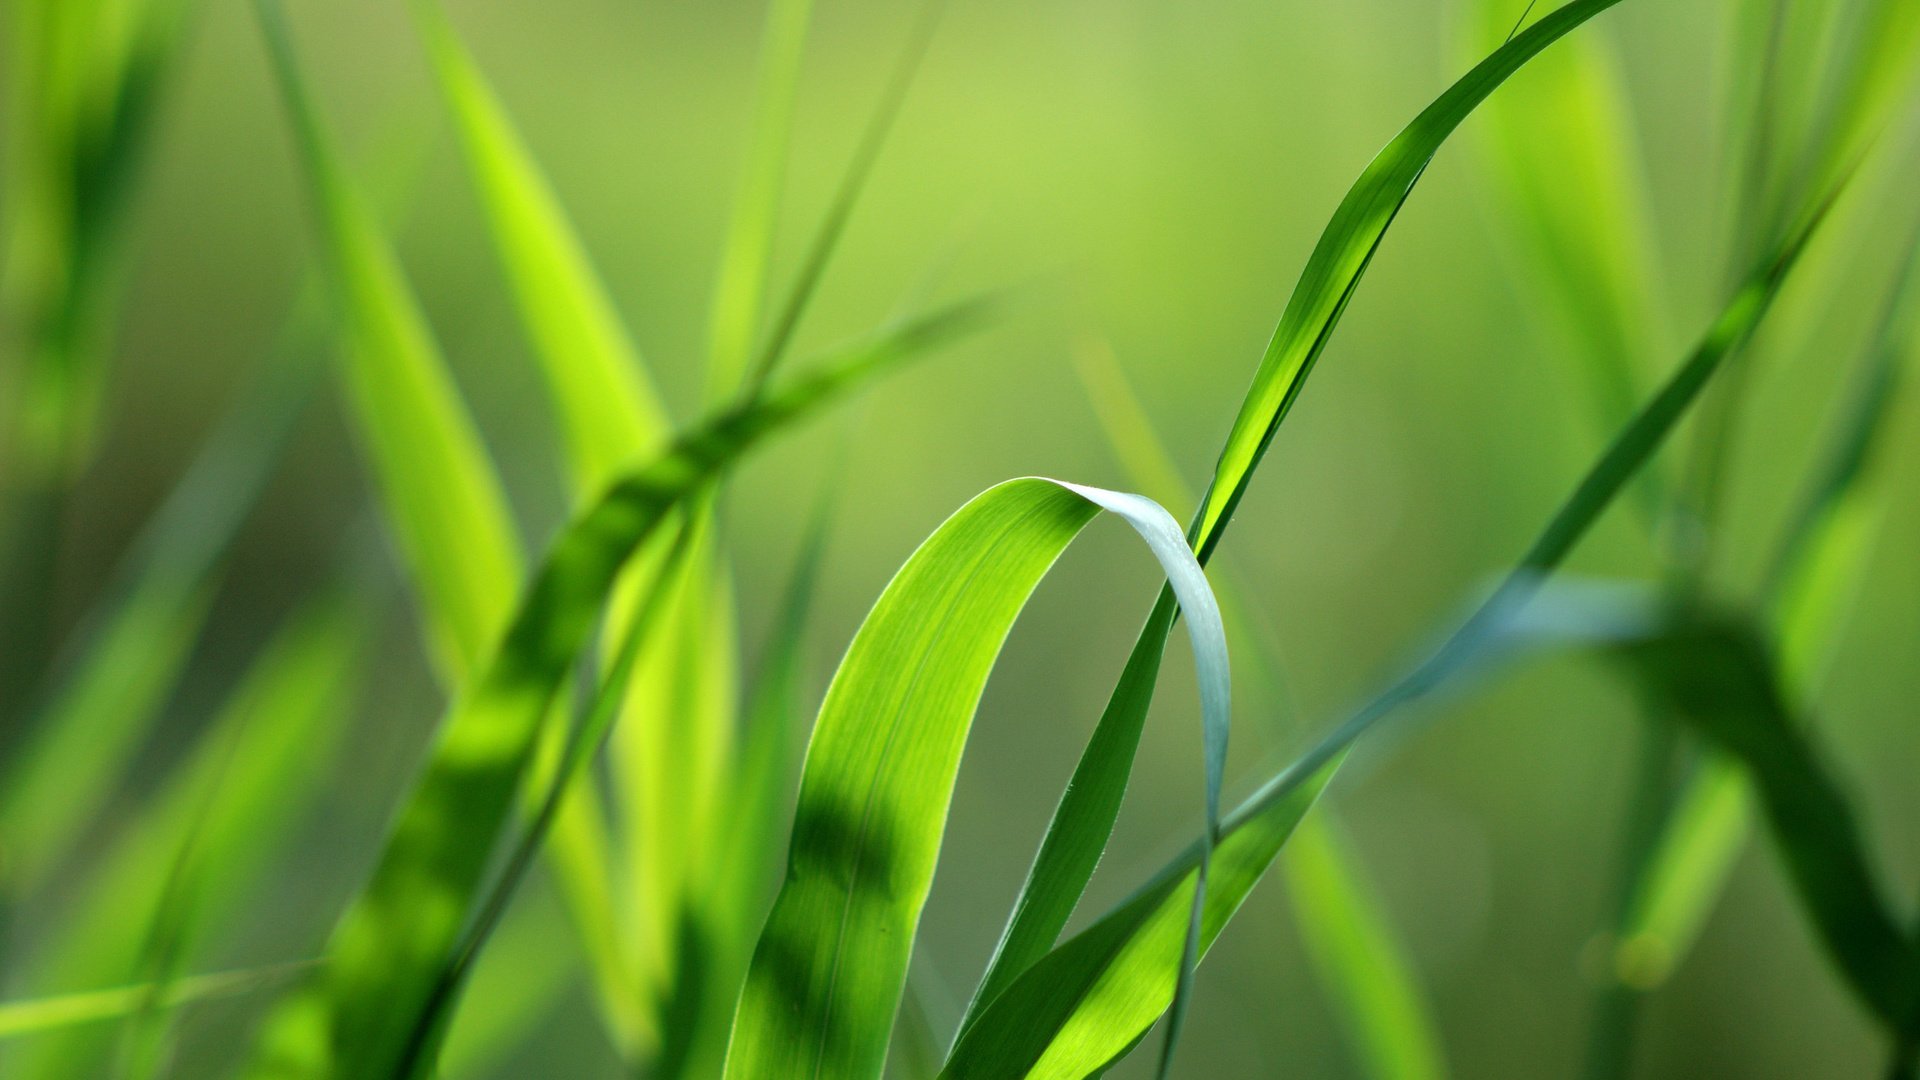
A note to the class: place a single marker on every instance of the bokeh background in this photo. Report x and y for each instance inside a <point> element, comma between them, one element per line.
<point>1151,174</point>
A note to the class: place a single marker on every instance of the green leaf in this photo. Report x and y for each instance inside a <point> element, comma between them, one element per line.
<point>359,1019</point>
<point>609,413</point>
<point>1356,956</point>
<point>1090,1000</point>
<point>827,975</point>
<point>18,1018</point>
<point>250,775</point>
<point>1084,818</point>
<point>1721,681</point>
<point>1814,578</point>
<point>442,498</point>
<point>747,252</point>
<point>1510,616</point>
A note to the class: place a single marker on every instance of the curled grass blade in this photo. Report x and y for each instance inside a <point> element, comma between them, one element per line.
<point>1361,966</point>
<point>359,1018</point>
<point>827,976</point>
<point>1084,818</point>
<point>1073,1038</point>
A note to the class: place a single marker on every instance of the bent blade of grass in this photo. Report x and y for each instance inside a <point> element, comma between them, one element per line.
<point>609,412</point>
<point>1084,818</point>
<point>257,767</point>
<point>1815,575</point>
<point>1024,1033</point>
<point>826,978</point>
<point>441,496</point>
<point>41,1015</point>
<point>1360,964</point>
<point>358,1018</point>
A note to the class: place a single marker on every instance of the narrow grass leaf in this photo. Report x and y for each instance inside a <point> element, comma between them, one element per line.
<point>40,1015</point>
<point>1815,574</point>
<point>250,775</point>
<point>1353,950</point>
<point>358,1019</point>
<point>1721,682</point>
<point>826,978</point>
<point>442,498</point>
<point>609,413</point>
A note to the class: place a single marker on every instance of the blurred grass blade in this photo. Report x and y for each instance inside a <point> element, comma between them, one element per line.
<point>1816,572</point>
<point>741,284</point>
<point>1721,682</point>
<point>131,648</point>
<point>1364,970</point>
<point>358,1019</point>
<point>1084,818</point>
<point>609,413</point>
<point>514,990</point>
<point>853,182</point>
<point>20,1018</point>
<point>1564,154</point>
<point>442,499</point>
<point>1356,956</point>
<point>826,979</point>
<point>253,771</point>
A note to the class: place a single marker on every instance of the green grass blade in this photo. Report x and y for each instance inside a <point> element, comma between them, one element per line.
<point>1089,1001</point>
<point>609,413</point>
<point>853,182</point>
<point>1356,957</point>
<point>258,765</point>
<point>1023,1031</point>
<point>442,498</point>
<point>1722,683</point>
<point>1084,818</point>
<point>1564,155</point>
<point>1816,573</point>
<point>359,1018</point>
<point>1364,970</point>
<point>1340,258</point>
<point>22,1018</point>
<point>134,644</point>
<point>826,978</point>
<point>746,254</point>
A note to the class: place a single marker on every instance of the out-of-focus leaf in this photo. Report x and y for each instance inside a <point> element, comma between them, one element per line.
<point>442,498</point>
<point>1358,959</point>
<point>253,771</point>
<point>609,413</point>
<point>360,1017</point>
<point>826,978</point>
<point>20,1018</point>
<point>1721,682</point>
<point>1812,583</point>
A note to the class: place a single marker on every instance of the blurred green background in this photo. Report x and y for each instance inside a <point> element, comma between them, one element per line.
<point>1151,175</point>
